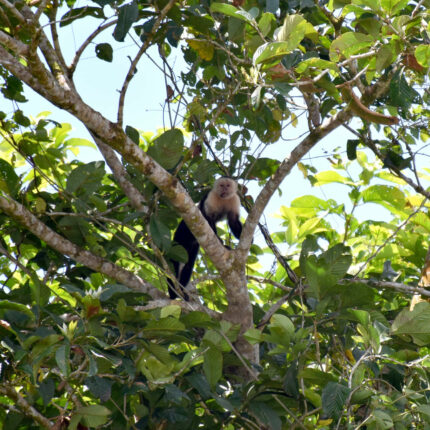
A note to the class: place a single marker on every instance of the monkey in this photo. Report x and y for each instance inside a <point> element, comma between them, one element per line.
<point>220,203</point>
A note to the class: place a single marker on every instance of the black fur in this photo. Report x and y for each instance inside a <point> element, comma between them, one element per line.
<point>186,239</point>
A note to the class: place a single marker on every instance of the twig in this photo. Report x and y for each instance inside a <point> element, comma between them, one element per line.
<point>142,50</point>
<point>380,247</point>
<point>87,41</point>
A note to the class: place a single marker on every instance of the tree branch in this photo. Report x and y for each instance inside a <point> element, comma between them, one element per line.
<point>136,60</point>
<point>25,407</point>
<point>88,259</point>
<point>283,170</point>
<point>387,284</point>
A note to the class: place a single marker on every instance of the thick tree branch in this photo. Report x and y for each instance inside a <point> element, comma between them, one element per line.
<point>115,137</point>
<point>59,243</point>
<point>283,170</point>
<point>25,407</point>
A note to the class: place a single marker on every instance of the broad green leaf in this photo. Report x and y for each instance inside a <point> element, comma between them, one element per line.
<point>266,415</point>
<point>104,51</point>
<point>372,4</point>
<point>133,134</point>
<point>311,226</point>
<point>349,44</point>
<point>160,233</point>
<point>315,376</point>
<point>86,178</point>
<point>81,12</point>
<point>47,390</point>
<point>178,253</point>
<point>422,220</point>
<point>422,54</point>
<point>204,49</point>
<point>310,201</point>
<point>99,387</point>
<point>401,93</point>
<point>172,310</point>
<point>385,193</point>
<point>316,63</point>
<point>384,57</point>
<point>260,168</point>
<point>212,366</point>
<point>9,180</point>
<point>94,415</point>
<point>19,307</point>
<point>169,324</point>
<point>334,397</point>
<point>128,14</point>
<point>329,177</point>
<point>393,6</point>
<point>62,357</point>
<point>265,23</point>
<point>230,10</point>
<point>270,51</point>
<point>293,30</point>
<point>381,420</point>
<point>414,323</point>
<point>167,148</point>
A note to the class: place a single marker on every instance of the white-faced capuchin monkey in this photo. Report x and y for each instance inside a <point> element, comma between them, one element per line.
<point>220,203</point>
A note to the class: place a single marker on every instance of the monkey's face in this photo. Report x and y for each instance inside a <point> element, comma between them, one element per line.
<point>225,188</point>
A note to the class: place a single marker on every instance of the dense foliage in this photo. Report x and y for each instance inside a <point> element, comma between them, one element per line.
<point>328,336</point>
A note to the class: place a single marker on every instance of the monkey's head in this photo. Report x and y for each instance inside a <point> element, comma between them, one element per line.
<point>225,187</point>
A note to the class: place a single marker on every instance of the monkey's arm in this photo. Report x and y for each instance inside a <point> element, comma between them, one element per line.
<point>234,224</point>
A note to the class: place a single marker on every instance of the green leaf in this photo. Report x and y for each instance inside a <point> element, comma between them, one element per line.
<point>212,366</point>
<point>265,23</point>
<point>99,387</point>
<point>281,330</point>
<point>372,4</point>
<point>381,420</point>
<point>230,10</point>
<point>9,180</point>
<point>62,357</point>
<point>133,134</point>
<point>264,413</point>
<point>94,415</point>
<point>21,119</point>
<point>422,54</point>
<point>86,179</point>
<point>316,377</point>
<point>178,253</point>
<point>81,12</point>
<point>393,6</point>
<point>349,44</point>
<point>334,397</point>
<point>8,305</point>
<point>414,323</point>
<point>316,63</point>
<point>385,193</point>
<point>294,29</point>
<point>104,51</point>
<point>47,390</point>
<point>160,233</point>
<point>270,51</point>
<point>260,168</point>
<point>351,148</point>
<point>128,14</point>
<point>329,177</point>
<point>167,148</point>
<point>401,93</point>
